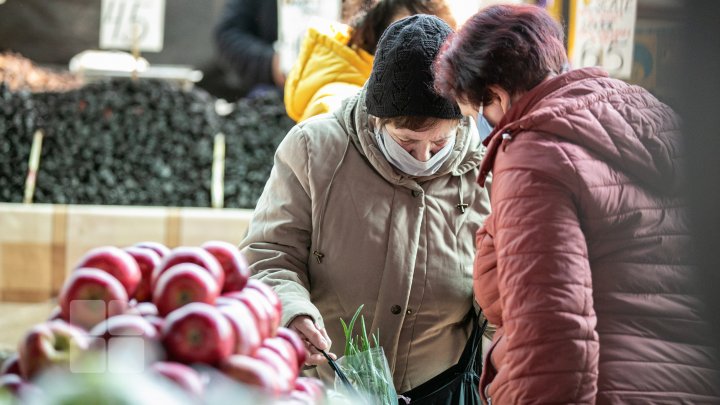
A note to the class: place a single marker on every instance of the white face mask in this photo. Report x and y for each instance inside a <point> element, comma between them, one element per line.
<point>483,126</point>
<point>405,162</point>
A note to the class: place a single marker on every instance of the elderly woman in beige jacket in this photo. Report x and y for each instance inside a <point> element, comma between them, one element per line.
<point>377,204</point>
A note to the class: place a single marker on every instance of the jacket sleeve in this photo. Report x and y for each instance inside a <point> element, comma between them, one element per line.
<point>485,279</point>
<point>239,44</point>
<point>544,279</point>
<point>278,240</point>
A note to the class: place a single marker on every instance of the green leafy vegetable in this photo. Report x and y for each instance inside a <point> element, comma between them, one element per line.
<point>365,364</point>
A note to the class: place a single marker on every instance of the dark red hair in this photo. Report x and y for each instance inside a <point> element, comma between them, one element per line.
<point>513,46</point>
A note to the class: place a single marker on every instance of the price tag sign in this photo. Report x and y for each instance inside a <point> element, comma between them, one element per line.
<point>602,34</point>
<point>123,22</point>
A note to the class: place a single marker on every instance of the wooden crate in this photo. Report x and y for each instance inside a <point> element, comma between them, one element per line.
<point>27,241</point>
<point>40,244</point>
<point>197,226</point>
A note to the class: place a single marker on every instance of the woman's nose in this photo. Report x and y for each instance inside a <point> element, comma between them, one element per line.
<point>422,153</point>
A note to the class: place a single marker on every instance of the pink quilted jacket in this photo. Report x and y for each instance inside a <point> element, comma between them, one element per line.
<point>586,263</point>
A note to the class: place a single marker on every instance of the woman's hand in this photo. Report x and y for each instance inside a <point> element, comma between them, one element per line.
<point>315,339</point>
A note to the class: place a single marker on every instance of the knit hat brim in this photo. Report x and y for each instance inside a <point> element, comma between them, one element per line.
<point>401,82</point>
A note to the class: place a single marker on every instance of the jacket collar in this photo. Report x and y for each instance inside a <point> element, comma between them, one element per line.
<point>517,118</point>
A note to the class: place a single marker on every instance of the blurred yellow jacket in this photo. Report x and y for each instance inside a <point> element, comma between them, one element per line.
<point>327,71</point>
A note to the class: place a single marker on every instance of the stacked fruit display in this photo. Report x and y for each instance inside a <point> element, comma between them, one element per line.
<point>193,307</point>
<point>17,124</point>
<point>126,143</point>
<point>253,132</point>
<point>150,142</point>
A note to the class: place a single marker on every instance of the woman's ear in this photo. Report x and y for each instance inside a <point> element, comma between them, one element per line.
<point>503,95</point>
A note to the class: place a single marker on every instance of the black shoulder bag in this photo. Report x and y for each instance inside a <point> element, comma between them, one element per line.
<point>458,385</point>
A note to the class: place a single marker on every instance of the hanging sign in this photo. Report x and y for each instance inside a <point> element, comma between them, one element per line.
<point>601,34</point>
<point>126,22</point>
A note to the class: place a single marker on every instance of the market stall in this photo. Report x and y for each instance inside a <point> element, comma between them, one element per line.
<point>127,161</point>
<point>130,169</point>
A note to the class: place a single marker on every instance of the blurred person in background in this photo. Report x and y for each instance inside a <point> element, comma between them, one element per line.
<point>244,36</point>
<point>336,59</point>
<point>586,263</point>
<point>376,204</point>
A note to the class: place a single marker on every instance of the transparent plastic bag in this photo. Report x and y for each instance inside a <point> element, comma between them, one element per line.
<point>369,374</point>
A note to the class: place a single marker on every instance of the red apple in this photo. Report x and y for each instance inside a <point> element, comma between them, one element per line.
<point>90,296</point>
<point>11,365</point>
<point>157,247</point>
<point>312,386</point>
<point>156,321</point>
<point>296,397</point>
<point>268,292</point>
<point>146,260</point>
<point>247,336</point>
<point>143,309</point>
<point>114,333</point>
<point>285,376</point>
<point>149,312</point>
<point>125,325</point>
<point>286,350</point>
<point>222,301</point>
<point>296,342</point>
<point>233,264</point>
<point>182,284</point>
<point>50,344</point>
<point>198,333</point>
<point>16,386</point>
<point>116,262</point>
<point>12,383</point>
<point>194,255</point>
<point>259,311</point>
<point>55,313</point>
<point>251,371</point>
<point>260,299</point>
<point>184,376</point>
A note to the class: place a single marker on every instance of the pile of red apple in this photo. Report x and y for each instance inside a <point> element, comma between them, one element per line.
<point>196,304</point>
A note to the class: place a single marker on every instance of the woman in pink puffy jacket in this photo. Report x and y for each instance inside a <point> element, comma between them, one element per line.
<point>586,263</point>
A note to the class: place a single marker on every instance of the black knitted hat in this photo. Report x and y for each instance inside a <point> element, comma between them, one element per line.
<point>401,82</point>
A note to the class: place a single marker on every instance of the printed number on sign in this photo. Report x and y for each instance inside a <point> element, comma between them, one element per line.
<point>125,21</point>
